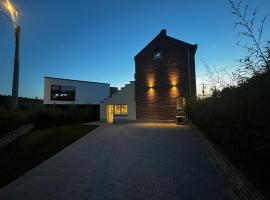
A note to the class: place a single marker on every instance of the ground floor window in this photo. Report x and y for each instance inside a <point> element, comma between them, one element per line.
<point>120,109</point>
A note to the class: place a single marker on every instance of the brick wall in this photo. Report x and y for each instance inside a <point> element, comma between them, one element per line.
<point>159,81</point>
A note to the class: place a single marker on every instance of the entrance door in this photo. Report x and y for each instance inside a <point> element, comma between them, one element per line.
<point>110,113</point>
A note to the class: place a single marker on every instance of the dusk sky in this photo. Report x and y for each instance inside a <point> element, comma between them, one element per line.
<point>97,40</point>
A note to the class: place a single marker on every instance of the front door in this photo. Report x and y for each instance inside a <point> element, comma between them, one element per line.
<point>110,113</point>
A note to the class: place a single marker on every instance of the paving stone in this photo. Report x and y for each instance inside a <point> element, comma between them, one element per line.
<point>125,161</point>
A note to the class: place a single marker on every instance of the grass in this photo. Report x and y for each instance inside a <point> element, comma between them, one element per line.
<point>37,146</point>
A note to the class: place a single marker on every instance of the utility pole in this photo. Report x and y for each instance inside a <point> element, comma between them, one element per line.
<point>16,72</point>
<point>12,17</point>
<point>203,90</point>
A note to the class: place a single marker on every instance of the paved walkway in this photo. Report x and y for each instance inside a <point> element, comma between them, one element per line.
<point>131,161</point>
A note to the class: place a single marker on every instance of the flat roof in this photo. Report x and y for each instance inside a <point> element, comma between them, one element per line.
<point>75,80</point>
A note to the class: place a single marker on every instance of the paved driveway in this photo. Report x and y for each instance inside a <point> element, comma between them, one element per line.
<point>131,161</point>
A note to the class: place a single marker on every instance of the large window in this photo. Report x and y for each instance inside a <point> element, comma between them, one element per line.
<point>120,109</point>
<point>62,93</point>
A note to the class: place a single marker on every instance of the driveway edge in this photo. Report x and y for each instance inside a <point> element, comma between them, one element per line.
<point>241,187</point>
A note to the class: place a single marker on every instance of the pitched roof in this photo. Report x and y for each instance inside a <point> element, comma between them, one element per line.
<point>163,34</point>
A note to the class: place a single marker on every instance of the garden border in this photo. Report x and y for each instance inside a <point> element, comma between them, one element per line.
<point>242,188</point>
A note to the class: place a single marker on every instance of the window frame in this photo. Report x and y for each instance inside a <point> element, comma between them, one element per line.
<point>157,54</point>
<point>71,98</point>
<point>120,114</point>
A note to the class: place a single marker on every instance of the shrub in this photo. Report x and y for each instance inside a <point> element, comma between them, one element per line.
<point>11,120</point>
<point>237,118</point>
<point>54,116</point>
<point>44,117</point>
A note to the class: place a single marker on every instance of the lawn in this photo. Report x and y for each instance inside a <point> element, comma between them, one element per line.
<point>37,146</point>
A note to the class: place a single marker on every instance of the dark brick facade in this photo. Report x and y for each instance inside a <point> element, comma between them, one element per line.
<point>159,81</point>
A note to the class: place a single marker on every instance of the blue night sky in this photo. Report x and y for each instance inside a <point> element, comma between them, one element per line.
<point>96,40</point>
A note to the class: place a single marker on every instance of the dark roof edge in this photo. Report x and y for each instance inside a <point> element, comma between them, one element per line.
<point>180,41</point>
<point>163,33</point>
<point>75,80</point>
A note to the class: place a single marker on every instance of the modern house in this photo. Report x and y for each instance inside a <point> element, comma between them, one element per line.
<point>66,91</point>
<point>164,78</point>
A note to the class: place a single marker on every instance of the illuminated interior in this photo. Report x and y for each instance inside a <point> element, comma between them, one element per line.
<point>110,113</point>
<point>120,109</point>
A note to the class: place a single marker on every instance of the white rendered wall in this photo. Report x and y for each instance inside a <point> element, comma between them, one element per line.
<point>85,92</point>
<point>124,96</point>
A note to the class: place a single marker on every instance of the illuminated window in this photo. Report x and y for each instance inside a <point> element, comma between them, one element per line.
<point>62,93</point>
<point>120,109</point>
<point>157,53</point>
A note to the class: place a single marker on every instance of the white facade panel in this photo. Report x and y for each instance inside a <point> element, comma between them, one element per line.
<point>125,96</point>
<point>85,92</point>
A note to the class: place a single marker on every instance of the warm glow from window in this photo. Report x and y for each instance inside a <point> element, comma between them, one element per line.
<point>120,109</point>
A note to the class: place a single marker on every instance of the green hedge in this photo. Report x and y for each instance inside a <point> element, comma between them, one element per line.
<point>12,120</point>
<point>44,117</point>
<point>59,116</point>
<point>237,118</point>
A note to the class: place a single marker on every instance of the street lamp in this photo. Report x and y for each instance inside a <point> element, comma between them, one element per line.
<point>13,11</point>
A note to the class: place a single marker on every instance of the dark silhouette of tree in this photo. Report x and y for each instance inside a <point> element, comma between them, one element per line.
<point>251,31</point>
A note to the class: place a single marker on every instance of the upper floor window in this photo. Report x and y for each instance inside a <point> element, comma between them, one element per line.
<point>62,93</point>
<point>157,53</point>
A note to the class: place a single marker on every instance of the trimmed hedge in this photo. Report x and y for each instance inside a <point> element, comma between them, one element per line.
<point>11,120</point>
<point>45,117</point>
<point>56,116</point>
<point>238,119</point>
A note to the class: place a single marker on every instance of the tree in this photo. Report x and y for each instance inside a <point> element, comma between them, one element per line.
<point>257,60</point>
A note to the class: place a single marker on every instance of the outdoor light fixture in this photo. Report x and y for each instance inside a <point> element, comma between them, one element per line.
<point>150,79</point>
<point>13,12</point>
<point>174,92</point>
<point>150,83</point>
<point>173,79</point>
